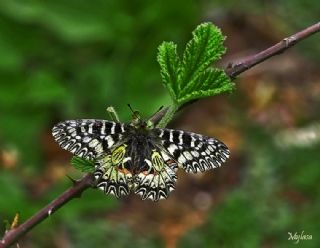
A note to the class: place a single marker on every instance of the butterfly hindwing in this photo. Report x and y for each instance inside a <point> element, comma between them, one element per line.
<point>153,177</point>
<point>158,177</point>
<point>111,171</point>
<point>88,138</point>
<point>193,152</point>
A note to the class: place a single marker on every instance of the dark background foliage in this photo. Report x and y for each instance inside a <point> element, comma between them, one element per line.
<point>72,59</point>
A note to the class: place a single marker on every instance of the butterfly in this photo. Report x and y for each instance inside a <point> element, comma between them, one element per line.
<point>137,157</point>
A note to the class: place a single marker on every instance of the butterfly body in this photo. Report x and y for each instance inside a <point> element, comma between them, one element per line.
<point>136,157</point>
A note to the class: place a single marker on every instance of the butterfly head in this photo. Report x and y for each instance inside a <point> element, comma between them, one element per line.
<point>138,122</point>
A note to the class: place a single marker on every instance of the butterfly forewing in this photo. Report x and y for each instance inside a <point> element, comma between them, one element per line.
<point>193,152</point>
<point>88,138</point>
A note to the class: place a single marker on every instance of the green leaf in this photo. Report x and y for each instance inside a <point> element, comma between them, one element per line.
<point>169,66</point>
<point>211,82</point>
<point>205,47</point>
<point>192,77</point>
<point>82,164</point>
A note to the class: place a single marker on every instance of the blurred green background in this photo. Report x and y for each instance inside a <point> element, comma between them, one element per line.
<point>72,59</point>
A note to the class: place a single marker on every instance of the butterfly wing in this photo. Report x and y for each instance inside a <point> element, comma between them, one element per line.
<point>192,151</point>
<point>148,172</point>
<point>88,138</point>
<point>113,171</point>
<point>157,175</point>
<point>103,142</point>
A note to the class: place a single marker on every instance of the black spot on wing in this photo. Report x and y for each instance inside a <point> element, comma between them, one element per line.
<point>175,135</point>
<point>108,127</point>
<point>165,135</point>
<point>186,139</point>
<point>118,128</point>
<point>78,129</point>
<point>96,127</point>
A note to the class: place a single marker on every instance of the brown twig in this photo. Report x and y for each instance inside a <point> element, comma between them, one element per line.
<point>12,235</point>
<point>86,182</point>
<point>234,69</point>
<point>157,117</point>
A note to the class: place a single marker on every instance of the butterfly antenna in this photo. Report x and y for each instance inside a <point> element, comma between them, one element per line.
<point>130,108</point>
<point>134,113</point>
<point>160,108</point>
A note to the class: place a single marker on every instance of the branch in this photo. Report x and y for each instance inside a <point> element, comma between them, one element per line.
<point>157,117</point>
<point>11,236</point>
<point>233,70</point>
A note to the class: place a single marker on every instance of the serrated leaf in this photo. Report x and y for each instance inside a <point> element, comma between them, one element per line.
<point>211,82</point>
<point>192,78</point>
<point>82,164</point>
<point>169,66</point>
<point>201,51</point>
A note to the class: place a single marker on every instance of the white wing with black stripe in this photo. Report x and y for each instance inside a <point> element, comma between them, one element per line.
<point>193,152</point>
<point>88,138</point>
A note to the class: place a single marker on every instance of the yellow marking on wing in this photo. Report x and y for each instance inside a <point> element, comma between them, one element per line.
<point>157,161</point>
<point>118,154</point>
<point>107,159</point>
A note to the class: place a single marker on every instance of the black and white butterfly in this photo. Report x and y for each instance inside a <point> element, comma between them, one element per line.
<point>136,157</point>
